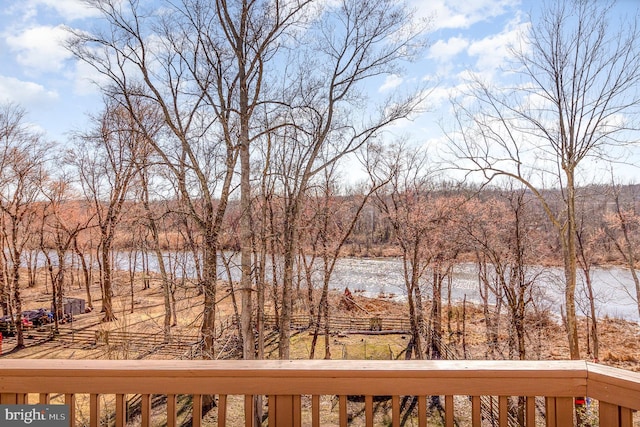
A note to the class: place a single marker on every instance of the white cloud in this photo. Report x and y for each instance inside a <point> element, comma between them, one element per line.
<point>461,14</point>
<point>24,93</point>
<point>40,48</point>
<point>493,51</point>
<point>87,80</point>
<point>444,50</point>
<point>69,9</point>
<point>391,82</point>
<point>440,95</point>
<point>19,13</point>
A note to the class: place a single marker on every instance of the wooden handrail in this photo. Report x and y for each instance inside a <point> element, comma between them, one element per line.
<point>614,385</point>
<point>561,380</point>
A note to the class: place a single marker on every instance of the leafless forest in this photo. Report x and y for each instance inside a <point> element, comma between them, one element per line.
<point>226,127</point>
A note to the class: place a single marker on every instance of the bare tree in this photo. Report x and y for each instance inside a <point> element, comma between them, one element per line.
<point>622,227</point>
<point>329,220</point>
<point>23,154</point>
<point>577,99</point>
<point>82,248</point>
<point>500,231</point>
<point>420,222</point>
<point>61,225</point>
<point>206,76</point>
<point>324,119</point>
<point>104,160</point>
<point>591,240</point>
<point>210,66</point>
<point>170,61</point>
<point>151,222</point>
<point>252,32</point>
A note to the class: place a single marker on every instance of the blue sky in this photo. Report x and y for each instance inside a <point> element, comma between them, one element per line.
<point>38,73</point>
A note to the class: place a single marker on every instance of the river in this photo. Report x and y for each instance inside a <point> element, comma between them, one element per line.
<point>613,286</point>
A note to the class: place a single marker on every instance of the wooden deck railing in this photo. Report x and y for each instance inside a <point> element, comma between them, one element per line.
<point>294,390</point>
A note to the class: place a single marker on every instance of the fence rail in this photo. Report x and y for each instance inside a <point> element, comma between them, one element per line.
<point>346,324</point>
<point>294,389</point>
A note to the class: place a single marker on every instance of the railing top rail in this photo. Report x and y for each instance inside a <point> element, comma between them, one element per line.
<point>614,385</point>
<point>429,377</point>
<point>320,368</point>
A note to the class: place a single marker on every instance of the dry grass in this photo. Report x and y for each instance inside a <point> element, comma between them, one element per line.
<point>547,340</point>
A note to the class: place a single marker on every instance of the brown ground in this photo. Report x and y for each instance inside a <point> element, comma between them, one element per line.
<point>138,334</point>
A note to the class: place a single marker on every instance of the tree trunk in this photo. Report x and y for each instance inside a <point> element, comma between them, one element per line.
<point>287,283</point>
<point>260,257</point>
<point>570,269</point>
<point>594,318</point>
<point>133,260</point>
<point>146,284</point>
<point>322,310</point>
<point>17,300</point>
<point>209,288</point>
<point>274,284</point>
<point>248,345</point>
<point>436,315</point>
<point>155,236</point>
<point>464,327</point>
<point>31,269</point>
<point>107,286</point>
<point>4,300</point>
<point>85,273</point>
<point>232,292</point>
<point>173,304</point>
<point>58,284</point>
<point>327,338</point>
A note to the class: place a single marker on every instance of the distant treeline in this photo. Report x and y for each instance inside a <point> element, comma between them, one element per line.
<point>601,210</point>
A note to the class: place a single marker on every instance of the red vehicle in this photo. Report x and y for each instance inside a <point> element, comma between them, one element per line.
<point>26,323</point>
